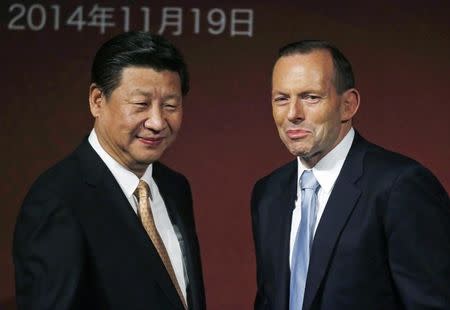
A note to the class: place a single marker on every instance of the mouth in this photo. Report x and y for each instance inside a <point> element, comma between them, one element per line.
<point>151,141</point>
<point>297,133</point>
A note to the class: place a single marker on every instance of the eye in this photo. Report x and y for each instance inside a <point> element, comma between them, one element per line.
<point>170,106</point>
<point>310,98</point>
<point>279,100</point>
<point>140,106</point>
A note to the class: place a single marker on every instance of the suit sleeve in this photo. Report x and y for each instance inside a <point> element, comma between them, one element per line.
<point>418,235</point>
<point>260,298</point>
<point>47,253</point>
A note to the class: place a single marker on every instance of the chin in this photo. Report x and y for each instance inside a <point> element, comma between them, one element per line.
<point>145,163</point>
<point>300,154</point>
<point>148,159</point>
<point>297,150</point>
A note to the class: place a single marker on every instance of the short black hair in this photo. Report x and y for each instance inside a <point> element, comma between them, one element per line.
<point>343,73</point>
<point>136,49</point>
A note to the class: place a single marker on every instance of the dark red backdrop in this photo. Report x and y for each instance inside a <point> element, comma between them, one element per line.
<point>400,53</point>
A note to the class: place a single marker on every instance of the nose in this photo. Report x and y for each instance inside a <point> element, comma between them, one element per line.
<point>295,112</point>
<point>156,120</point>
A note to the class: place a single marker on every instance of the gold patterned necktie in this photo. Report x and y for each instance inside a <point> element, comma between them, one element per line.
<point>146,215</point>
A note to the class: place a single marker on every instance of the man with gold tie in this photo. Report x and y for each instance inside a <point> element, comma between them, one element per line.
<point>110,227</point>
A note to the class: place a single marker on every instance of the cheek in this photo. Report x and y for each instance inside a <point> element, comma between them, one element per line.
<point>278,117</point>
<point>323,117</point>
<point>328,127</point>
<point>130,121</point>
<point>117,117</point>
<point>319,122</point>
<point>175,121</point>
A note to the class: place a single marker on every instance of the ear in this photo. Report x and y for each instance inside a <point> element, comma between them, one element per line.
<point>350,104</point>
<point>96,100</point>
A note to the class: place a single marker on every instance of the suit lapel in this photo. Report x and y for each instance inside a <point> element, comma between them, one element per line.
<point>340,205</point>
<point>178,203</point>
<point>277,228</point>
<point>111,201</point>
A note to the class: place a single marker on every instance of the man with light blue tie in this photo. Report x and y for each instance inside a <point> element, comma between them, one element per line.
<point>348,224</point>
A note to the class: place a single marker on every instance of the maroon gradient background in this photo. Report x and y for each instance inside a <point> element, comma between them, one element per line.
<point>400,53</point>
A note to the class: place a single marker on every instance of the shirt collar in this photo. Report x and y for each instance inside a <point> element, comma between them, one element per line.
<point>328,168</point>
<point>127,180</point>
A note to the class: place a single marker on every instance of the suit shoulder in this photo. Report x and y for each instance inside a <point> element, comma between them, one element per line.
<point>54,185</point>
<point>386,160</point>
<point>162,171</point>
<point>387,168</point>
<point>58,179</point>
<point>278,174</point>
<point>48,198</point>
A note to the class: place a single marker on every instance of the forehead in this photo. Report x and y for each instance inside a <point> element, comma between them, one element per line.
<point>148,78</point>
<point>314,67</point>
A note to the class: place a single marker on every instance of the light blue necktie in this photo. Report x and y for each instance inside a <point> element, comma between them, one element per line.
<point>303,240</point>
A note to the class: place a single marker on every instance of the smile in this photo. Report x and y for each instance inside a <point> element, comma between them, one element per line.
<point>153,142</point>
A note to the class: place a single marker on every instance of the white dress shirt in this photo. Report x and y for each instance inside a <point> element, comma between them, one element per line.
<point>128,182</point>
<point>326,172</point>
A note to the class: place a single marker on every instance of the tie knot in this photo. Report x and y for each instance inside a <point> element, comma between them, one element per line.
<point>308,180</point>
<point>142,190</point>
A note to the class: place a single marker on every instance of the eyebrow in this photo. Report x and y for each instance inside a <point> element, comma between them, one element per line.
<point>149,94</point>
<point>140,92</point>
<point>279,92</point>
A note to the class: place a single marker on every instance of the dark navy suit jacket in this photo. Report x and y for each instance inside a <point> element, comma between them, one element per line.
<point>383,241</point>
<point>79,245</point>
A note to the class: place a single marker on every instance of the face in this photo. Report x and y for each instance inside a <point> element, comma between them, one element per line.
<point>141,117</point>
<point>311,117</point>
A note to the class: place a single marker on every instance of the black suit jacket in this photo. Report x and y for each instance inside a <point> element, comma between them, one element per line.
<point>79,245</point>
<point>383,241</point>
